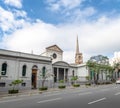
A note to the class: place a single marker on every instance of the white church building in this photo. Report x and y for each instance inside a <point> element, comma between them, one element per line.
<point>28,67</point>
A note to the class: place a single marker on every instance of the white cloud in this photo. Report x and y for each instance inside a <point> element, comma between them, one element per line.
<point>72,10</point>
<point>56,5</point>
<point>115,59</point>
<point>15,3</point>
<point>81,15</point>
<point>5,21</point>
<point>20,13</point>
<point>89,11</point>
<point>101,37</point>
<point>70,4</point>
<point>9,20</point>
<point>33,37</point>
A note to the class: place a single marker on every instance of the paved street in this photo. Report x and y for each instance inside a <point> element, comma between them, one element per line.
<point>105,96</point>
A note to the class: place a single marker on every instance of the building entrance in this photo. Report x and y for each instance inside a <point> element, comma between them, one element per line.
<point>34,77</point>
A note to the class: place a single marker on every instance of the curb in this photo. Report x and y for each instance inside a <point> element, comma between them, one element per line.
<point>37,92</point>
<point>30,93</point>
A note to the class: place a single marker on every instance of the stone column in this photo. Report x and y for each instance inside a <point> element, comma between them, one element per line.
<point>115,75</point>
<point>57,74</point>
<point>118,74</point>
<point>64,74</point>
<point>102,75</point>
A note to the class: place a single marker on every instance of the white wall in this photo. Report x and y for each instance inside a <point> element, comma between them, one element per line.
<point>14,70</point>
<point>82,72</point>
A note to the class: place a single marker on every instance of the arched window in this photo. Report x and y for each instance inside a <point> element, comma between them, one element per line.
<point>24,70</point>
<point>43,71</point>
<point>4,69</point>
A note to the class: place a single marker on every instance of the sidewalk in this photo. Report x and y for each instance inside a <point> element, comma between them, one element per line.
<point>36,92</point>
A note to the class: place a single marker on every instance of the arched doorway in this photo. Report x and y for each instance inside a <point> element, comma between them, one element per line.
<point>34,77</point>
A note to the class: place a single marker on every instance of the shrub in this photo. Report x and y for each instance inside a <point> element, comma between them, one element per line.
<point>43,88</point>
<point>74,79</point>
<point>76,85</point>
<point>108,83</point>
<point>87,78</point>
<point>61,86</point>
<point>13,91</point>
<point>88,84</point>
<point>61,82</point>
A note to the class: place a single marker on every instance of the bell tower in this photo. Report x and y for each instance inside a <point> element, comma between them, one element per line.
<point>78,55</point>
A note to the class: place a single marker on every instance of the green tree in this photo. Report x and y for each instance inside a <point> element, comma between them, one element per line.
<point>16,83</point>
<point>95,67</point>
<point>61,84</point>
<point>74,79</point>
<point>87,78</point>
<point>44,75</point>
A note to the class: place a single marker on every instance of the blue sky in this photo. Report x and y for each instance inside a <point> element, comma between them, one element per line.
<point>46,22</point>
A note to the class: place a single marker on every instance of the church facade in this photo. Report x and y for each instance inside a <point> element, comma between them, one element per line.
<point>28,67</point>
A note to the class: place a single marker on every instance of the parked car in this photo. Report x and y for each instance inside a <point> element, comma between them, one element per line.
<point>118,81</point>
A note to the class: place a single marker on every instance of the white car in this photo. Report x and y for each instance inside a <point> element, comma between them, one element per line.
<point>118,81</point>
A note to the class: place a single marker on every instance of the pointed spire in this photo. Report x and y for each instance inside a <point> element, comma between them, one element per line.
<point>77,46</point>
<point>78,55</point>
